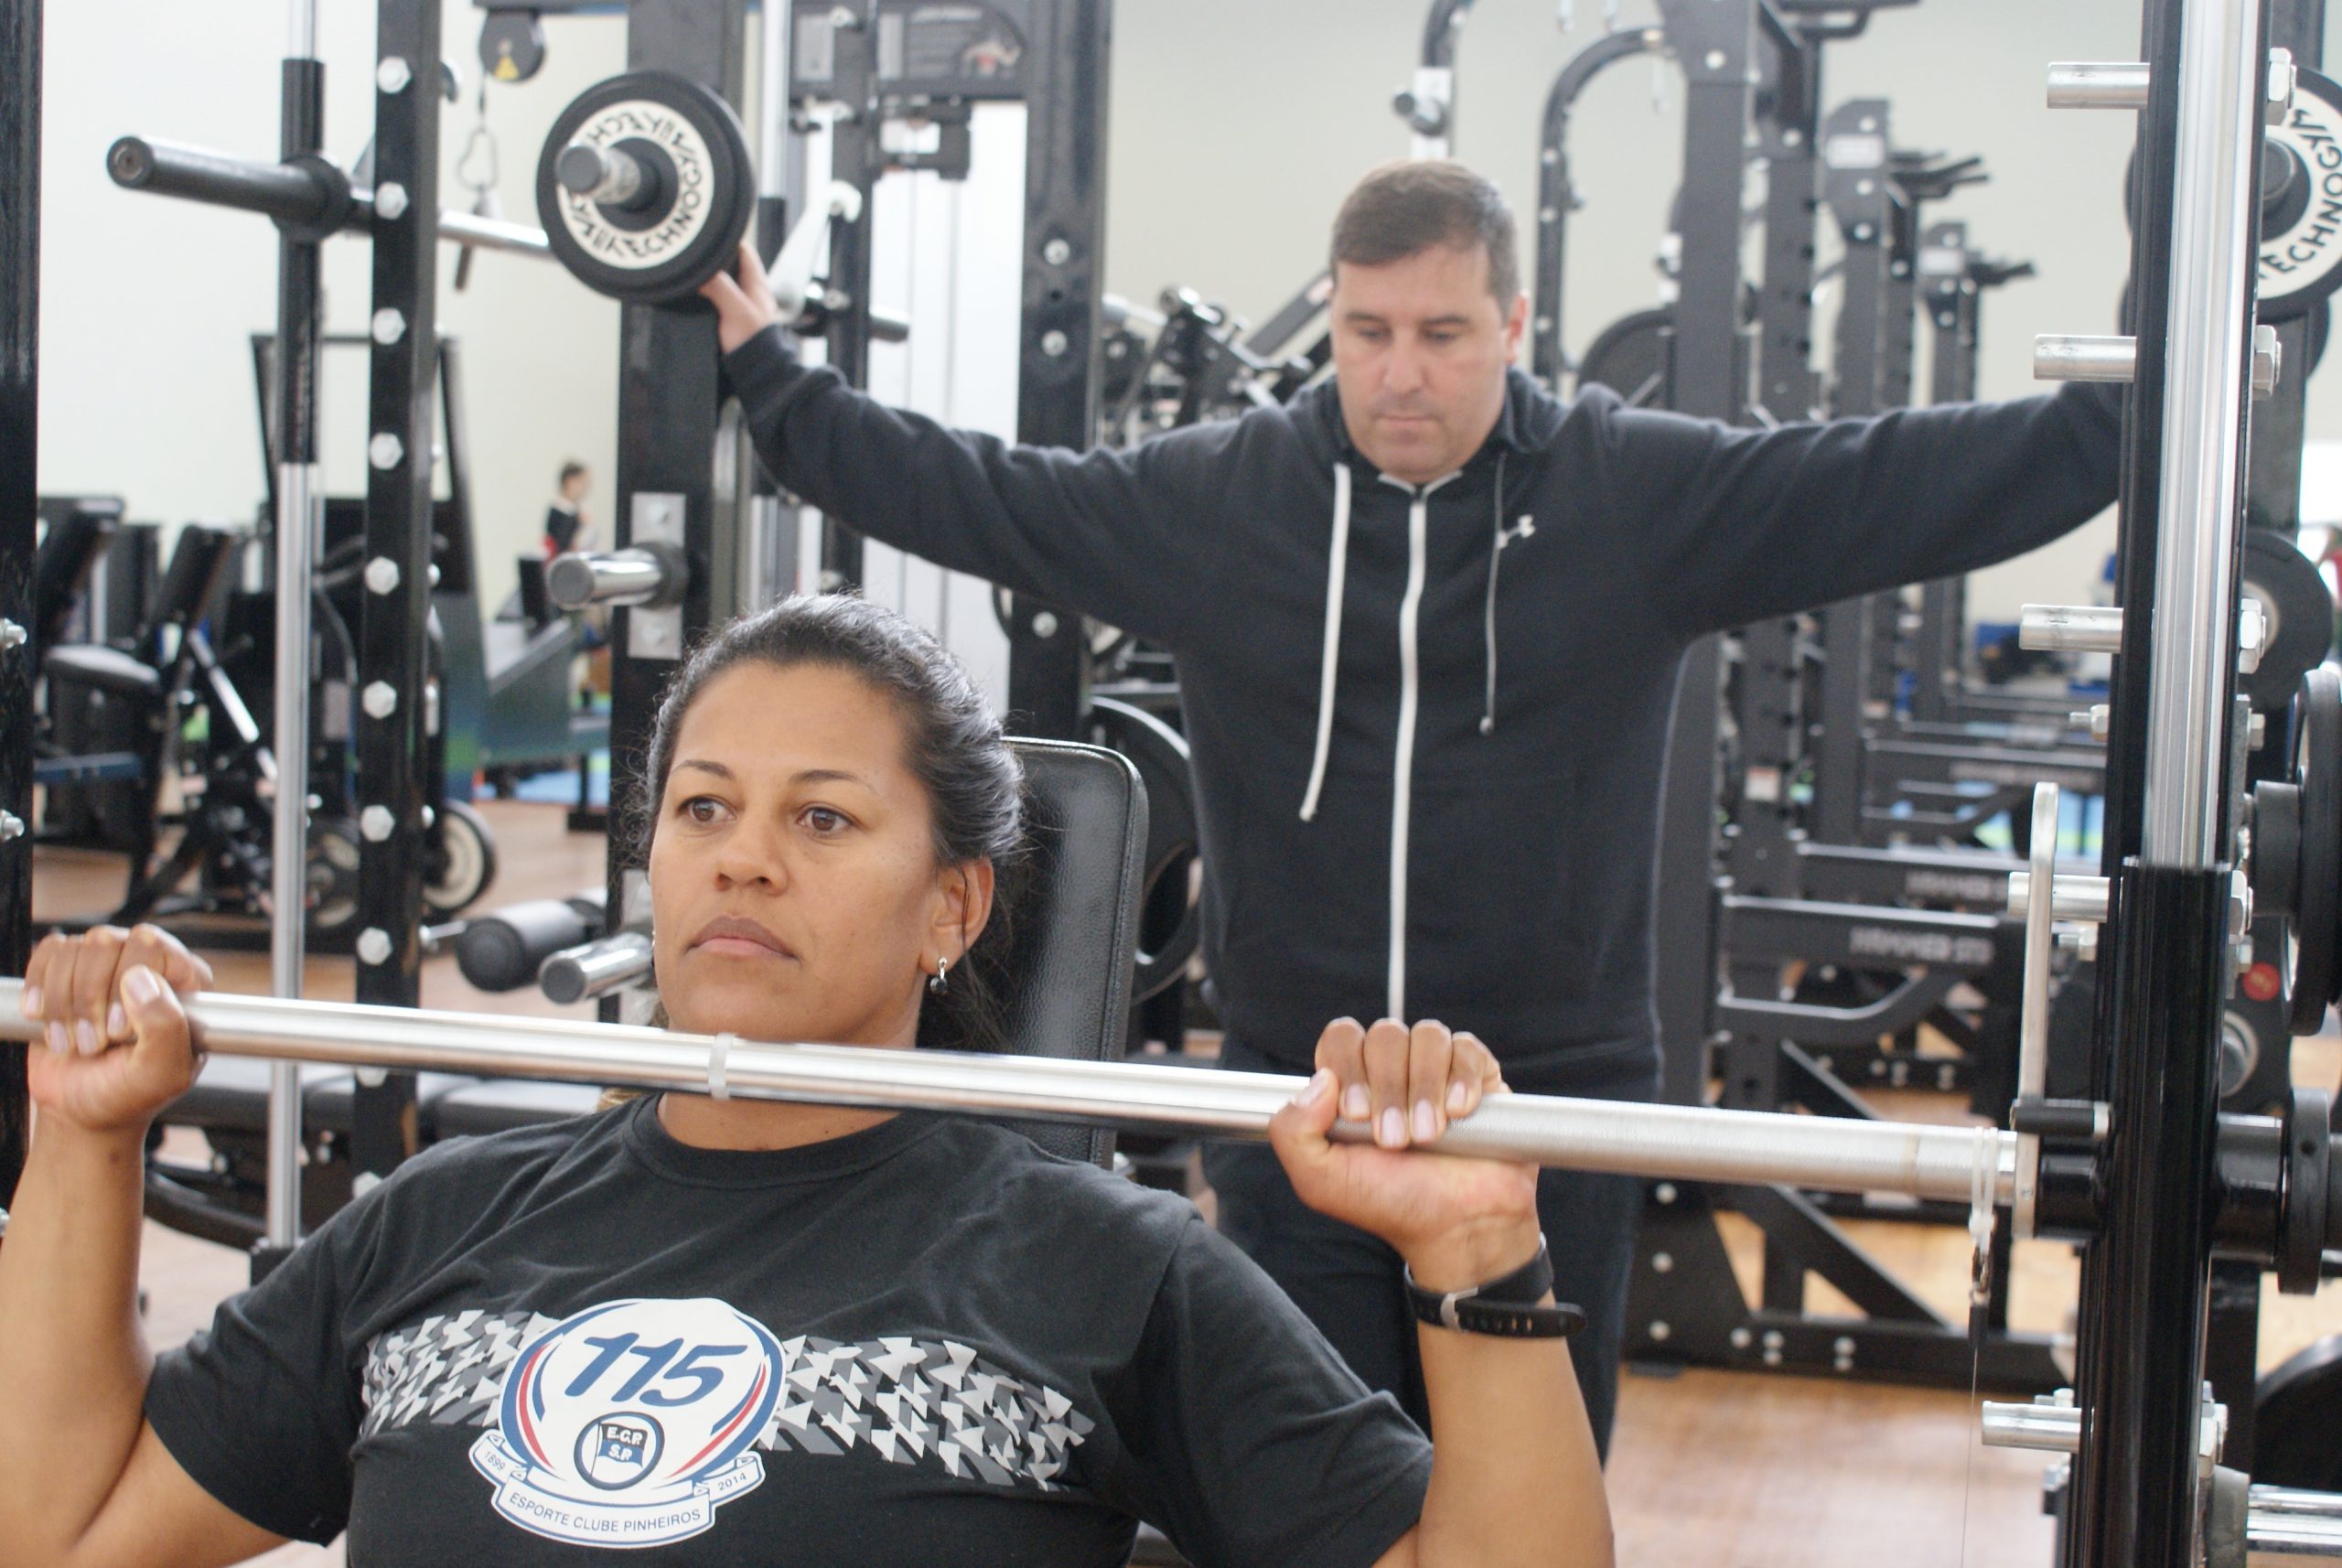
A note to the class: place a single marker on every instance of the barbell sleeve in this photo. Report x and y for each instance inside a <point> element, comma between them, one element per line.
<point>2049,1428</point>
<point>2098,84</point>
<point>2070,628</point>
<point>607,175</point>
<point>2063,357</point>
<point>2052,1424</point>
<point>1686,1143</point>
<point>304,193</point>
<point>592,969</point>
<point>2073,896</point>
<point>475,233</point>
<point>2287,1521</point>
<point>642,574</point>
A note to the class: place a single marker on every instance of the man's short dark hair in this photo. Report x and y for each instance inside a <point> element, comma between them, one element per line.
<point>1404,208</point>
<point>570,470</point>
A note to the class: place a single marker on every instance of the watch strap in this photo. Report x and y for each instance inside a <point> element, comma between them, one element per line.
<point>1506,1306</point>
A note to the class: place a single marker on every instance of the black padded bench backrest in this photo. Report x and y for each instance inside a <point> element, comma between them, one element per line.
<point>1076,934</point>
<point>199,560</point>
<point>79,529</point>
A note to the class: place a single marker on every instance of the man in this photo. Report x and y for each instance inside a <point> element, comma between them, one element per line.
<point>567,527</point>
<point>1429,622</point>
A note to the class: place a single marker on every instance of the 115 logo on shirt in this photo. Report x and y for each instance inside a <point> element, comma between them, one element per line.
<point>628,1423</point>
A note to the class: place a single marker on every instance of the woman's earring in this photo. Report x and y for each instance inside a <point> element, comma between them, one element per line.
<point>939,982</point>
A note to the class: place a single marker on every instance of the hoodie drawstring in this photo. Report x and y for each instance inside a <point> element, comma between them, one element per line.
<point>1496,555</point>
<point>1337,569</point>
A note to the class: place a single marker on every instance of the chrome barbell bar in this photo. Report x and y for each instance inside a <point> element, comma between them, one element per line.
<point>1686,1142</point>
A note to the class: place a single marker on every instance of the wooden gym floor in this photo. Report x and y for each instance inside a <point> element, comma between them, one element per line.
<point>1707,1469</point>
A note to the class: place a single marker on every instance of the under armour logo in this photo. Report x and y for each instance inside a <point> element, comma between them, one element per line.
<point>1525,528</point>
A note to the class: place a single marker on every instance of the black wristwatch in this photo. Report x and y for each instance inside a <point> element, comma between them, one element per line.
<point>1507,1307</point>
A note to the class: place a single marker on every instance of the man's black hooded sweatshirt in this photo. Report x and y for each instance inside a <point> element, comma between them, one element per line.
<point>1428,723</point>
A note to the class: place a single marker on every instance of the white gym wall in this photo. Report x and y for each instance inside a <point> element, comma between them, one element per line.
<point>148,303</point>
<point>1236,125</point>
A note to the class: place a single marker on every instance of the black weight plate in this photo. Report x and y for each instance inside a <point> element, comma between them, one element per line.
<point>2317,770</point>
<point>2300,1250</point>
<point>2300,247</point>
<point>2276,847</point>
<point>708,187</point>
<point>2300,612</point>
<point>1634,357</point>
<point>331,875</point>
<point>2295,1417</point>
<point>460,862</point>
<point>1170,915</point>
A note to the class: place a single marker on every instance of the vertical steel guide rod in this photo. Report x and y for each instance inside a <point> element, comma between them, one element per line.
<point>2207,333</point>
<point>2033,1019</point>
<point>299,516</point>
<point>762,576</point>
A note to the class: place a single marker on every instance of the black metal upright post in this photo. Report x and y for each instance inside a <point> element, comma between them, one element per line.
<point>1070,46</point>
<point>20,55</point>
<point>1787,388</point>
<point>394,705</point>
<point>1557,195</point>
<point>2136,1479</point>
<point>2273,501</point>
<point>1856,157</point>
<point>1767,819</point>
<point>1952,298</point>
<point>670,407</point>
<point>1715,43</point>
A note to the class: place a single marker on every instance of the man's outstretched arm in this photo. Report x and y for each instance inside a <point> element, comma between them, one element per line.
<point>1742,524</point>
<point>1112,533</point>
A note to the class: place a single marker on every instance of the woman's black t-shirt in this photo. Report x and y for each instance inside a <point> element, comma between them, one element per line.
<point>925,1344</point>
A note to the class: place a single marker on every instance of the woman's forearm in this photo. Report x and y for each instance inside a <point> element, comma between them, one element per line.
<point>72,1357</point>
<point>1515,1475</point>
<point>1514,1478</point>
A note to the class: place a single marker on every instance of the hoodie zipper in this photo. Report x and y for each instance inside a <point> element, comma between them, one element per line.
<point>1402,766</point>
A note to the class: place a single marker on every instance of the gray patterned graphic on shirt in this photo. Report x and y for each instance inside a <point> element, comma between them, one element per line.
<point>449,1371</point>
<point>908,1400</point>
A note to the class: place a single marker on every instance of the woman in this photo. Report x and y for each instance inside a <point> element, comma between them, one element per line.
<point>727,1331</point>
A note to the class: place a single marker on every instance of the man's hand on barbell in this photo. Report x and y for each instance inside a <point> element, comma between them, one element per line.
<point>743,306</point>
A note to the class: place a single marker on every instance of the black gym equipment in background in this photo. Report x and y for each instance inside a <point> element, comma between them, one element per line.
<point>20,117</point>
<point>1697,360</point>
